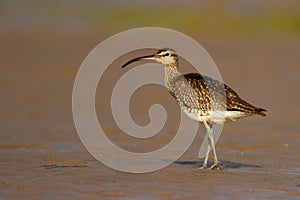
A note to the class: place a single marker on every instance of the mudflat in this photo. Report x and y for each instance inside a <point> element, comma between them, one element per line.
<point>42,157</point>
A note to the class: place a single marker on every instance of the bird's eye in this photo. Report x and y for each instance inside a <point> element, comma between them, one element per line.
<point>167,54</point>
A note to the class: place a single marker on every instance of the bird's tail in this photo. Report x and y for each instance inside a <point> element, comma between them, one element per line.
<point>243,106</point>
<point>260,111</point>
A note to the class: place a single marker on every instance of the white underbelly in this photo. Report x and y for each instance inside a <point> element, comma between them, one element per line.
<point>218,117</point>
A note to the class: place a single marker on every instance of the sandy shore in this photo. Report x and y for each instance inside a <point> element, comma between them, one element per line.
<point>42,156</point>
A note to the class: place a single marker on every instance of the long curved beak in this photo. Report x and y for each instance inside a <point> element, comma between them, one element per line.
<point>149,57</point>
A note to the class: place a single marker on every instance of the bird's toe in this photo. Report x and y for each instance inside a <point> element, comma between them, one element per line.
<point>203,167</point>
<point>216,166</point>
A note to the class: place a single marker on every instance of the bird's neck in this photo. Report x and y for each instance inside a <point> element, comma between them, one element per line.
<point>171,73</point>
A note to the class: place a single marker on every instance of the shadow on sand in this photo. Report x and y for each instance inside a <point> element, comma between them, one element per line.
<point>224,164</point>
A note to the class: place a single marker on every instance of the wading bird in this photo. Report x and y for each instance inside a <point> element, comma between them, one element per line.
<point>201,98</point>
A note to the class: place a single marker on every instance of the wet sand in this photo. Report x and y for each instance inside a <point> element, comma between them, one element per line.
<point>42,157</point>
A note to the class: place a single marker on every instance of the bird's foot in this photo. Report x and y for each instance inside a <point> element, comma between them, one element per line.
<point>203,167</point>
<point>216,165</point>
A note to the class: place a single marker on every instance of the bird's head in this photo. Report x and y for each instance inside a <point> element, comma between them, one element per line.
<point>166,56</point>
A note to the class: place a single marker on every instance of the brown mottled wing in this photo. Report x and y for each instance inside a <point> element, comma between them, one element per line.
<point>195,91</point>
<point>189,93</point>
<point>235,103</point>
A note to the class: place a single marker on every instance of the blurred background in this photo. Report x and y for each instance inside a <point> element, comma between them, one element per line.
<point>201,18</point>
<point>254,43</point>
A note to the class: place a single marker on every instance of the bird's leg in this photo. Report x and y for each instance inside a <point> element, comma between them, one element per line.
<point>204,166</point>
<point>209,127</point>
